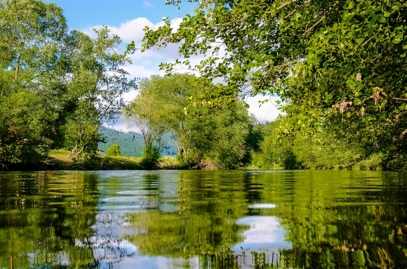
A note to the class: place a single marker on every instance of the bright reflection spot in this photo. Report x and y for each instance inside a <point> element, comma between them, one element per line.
<point>259,206</point>
<point>265,233</point>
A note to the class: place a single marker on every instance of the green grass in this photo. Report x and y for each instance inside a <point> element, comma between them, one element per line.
<point>59,152</point>
<point>170,162</point>
<point>121,163</point>
<point>60,160</point>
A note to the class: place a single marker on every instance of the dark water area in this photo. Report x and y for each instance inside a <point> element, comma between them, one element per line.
<point>203,219</point>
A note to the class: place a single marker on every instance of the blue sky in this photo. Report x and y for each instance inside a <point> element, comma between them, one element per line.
<point>127,18</point>
<point>87,13</point>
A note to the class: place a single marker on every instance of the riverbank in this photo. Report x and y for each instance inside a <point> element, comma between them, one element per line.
<point>60,160</point>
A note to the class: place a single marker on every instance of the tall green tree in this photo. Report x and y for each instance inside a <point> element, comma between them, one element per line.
<point>31,79</point>
<point>97,84</point>
<point>217,134</point>
<point>203,130</point>
<point>56,87</point>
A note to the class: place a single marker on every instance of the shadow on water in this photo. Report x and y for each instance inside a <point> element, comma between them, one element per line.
<point>203,219</point>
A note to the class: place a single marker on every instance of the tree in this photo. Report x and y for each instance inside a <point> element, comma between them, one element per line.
<point>217,134</point>
<point>99,82</point>
<point>202,130</point>
<point>146,112</point>
<point>114,150</point>
<point>56,87</point>
<point>159,107</point>
<point>31,79</point>
<point>335,61</point>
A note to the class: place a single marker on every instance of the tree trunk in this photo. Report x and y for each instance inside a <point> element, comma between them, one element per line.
<point>17,67</point>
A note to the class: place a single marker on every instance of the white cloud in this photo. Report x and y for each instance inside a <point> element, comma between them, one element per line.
<point>128,31</point>
<point>148,4</point>
<point>266,111</point>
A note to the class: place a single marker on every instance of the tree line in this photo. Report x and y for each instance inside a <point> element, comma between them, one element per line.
<point>338,66</point>
<point>57,88</point>
<point>203,131</point>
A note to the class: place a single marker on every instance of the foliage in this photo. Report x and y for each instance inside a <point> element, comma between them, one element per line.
<point>218,134</point>
<point>114,150</point>
<point>315,148</point>
<point>30,81</point>
<point>335,63</point>
<point>165,104</point>
<point>119,163</point>
<point>150,157</point>
<point>56,87</point>
<point>100,80</point>
<point>148,114</point>
<point>171,162</point>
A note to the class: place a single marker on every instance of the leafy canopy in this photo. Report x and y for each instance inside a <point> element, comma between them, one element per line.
<point>203,131</point>
<point>337,61</point>
<point>56,87</point>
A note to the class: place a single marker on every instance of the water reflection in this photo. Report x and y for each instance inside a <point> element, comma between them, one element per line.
<point>203,219</point>
<point>43,215</point>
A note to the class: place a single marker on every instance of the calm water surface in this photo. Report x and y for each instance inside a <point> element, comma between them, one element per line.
<point>202,219</point>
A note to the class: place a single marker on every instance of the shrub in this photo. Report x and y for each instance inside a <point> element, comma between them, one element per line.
<point>114,150</point>
<point>150,157</point>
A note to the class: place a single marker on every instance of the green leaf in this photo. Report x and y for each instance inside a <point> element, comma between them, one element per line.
<point>357,101</point>
<point>359,40</point>
<point>351,5</point>
<point>398,38</point>
<point>381,19</point>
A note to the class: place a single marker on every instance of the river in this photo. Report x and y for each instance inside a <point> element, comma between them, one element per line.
<point>203,219</point>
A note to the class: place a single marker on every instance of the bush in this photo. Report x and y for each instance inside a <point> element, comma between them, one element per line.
<point>150,157</point>
<point>114,150</point>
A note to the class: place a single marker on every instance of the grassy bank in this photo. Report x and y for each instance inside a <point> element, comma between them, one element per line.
<point>60,160</point>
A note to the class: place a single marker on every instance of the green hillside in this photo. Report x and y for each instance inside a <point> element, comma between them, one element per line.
<point>132,144</point>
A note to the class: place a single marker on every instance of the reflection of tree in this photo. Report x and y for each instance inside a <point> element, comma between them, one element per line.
<point>334,219</point>
<point>43,217</point>
<point>342,223</point>
<point>252,192</point>
<point>203,223</point>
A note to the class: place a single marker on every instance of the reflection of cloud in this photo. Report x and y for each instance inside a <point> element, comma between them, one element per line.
<point>262,206</point>
<point>264,233</point>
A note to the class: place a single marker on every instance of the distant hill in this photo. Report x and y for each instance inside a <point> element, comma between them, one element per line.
<point>132,143</point>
